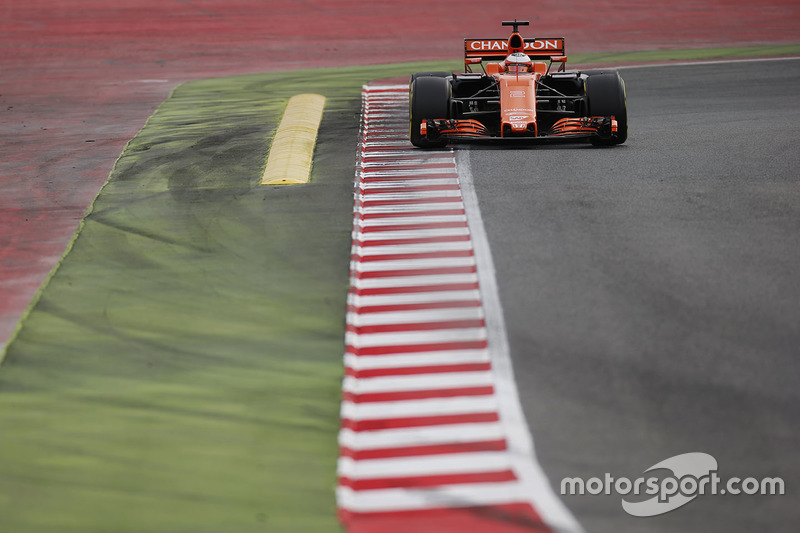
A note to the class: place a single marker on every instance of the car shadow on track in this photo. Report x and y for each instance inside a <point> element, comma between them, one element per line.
<point>538,146</point>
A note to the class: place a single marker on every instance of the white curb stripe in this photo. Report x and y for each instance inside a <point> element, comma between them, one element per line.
<point>421,436</point>
<point>388,265</point>
<point>431,359</point>
<point>426,407</point>
<point>410,234</point>
<point>463,495</point>
<point>414,298</point>
<point>431,465</point>
<point>389,340</point>
<point>412,317</point>
<point>448,380</point>
<point>413,281</point>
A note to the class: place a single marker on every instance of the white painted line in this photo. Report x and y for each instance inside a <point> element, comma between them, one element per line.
<point>520,442</point>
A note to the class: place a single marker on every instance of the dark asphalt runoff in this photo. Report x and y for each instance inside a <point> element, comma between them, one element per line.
<point>651,291</point>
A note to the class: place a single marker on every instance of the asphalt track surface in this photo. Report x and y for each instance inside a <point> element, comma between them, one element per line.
<point>651,292</point>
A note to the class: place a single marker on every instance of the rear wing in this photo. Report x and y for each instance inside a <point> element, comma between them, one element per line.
<point>497,49</point>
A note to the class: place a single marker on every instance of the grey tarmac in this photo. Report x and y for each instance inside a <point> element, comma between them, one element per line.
<point>651,290</point>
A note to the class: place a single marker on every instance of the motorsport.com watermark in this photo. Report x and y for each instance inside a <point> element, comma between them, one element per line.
<point>693,474</point>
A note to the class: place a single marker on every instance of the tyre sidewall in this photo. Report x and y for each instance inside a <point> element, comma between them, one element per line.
<point>606,96</point>
<point>429,98</point>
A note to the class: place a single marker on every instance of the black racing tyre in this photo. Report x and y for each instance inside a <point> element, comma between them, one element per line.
<point>606,95</point>
<point>430,74</point>
<point>429,98</point>
<point>595,72</point>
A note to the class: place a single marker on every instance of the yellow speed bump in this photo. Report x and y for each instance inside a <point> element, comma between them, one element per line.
<point>292,149</point>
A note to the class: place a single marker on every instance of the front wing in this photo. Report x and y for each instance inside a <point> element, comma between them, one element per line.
<point>563,129</point>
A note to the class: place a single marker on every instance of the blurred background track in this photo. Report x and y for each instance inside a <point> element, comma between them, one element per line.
<point>80,77</point>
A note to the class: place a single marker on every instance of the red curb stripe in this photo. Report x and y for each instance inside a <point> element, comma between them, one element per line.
<point>414,227</point>
<point>388,148</point>
<point>383,134</point>
<point>409,190</point>
<point>418,326</point>
<point>508,518</point>
<point>406,157</point>
<point>441,287</point>
<point>466,269</point>
<point>391,132</point>
<point>377,90</point>
<point>440,254</point>
<point>411,177</point>
<point>410,201</point>
<point>428,481</point>
<point>417,167</point>
<point>432,449</point>
<point>416,348</point>
<point>416,394</point>
<point>420,213</point>
<point>412,370</point>
<point>418,421</point>
<point>424,306</point>
<point>370,90</point>
<point>414,240</point>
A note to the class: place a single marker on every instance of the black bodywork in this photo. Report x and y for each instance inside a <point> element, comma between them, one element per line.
<point>558,95</point>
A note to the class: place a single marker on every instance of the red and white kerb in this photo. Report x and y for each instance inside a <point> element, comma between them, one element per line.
<point>432,437</point>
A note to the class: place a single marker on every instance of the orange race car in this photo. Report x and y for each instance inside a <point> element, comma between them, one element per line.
<point>520,96</point>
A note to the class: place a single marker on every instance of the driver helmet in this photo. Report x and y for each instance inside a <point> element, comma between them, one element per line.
<point>518,63</point>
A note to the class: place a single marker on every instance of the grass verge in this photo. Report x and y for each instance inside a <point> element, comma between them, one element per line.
<point>181,368</point>
<point>694,54</point>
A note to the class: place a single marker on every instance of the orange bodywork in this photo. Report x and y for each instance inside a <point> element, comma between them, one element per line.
<point>518,100</point>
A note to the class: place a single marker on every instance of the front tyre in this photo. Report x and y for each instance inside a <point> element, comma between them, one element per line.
<point>429,98</point>
<point>430,74</point>
<point>606,95</point>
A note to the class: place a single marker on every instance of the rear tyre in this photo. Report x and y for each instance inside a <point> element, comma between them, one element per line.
<point>606,95</point>
<point>429,98</point>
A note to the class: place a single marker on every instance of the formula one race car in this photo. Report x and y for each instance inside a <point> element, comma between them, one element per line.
<point>519,97</point>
